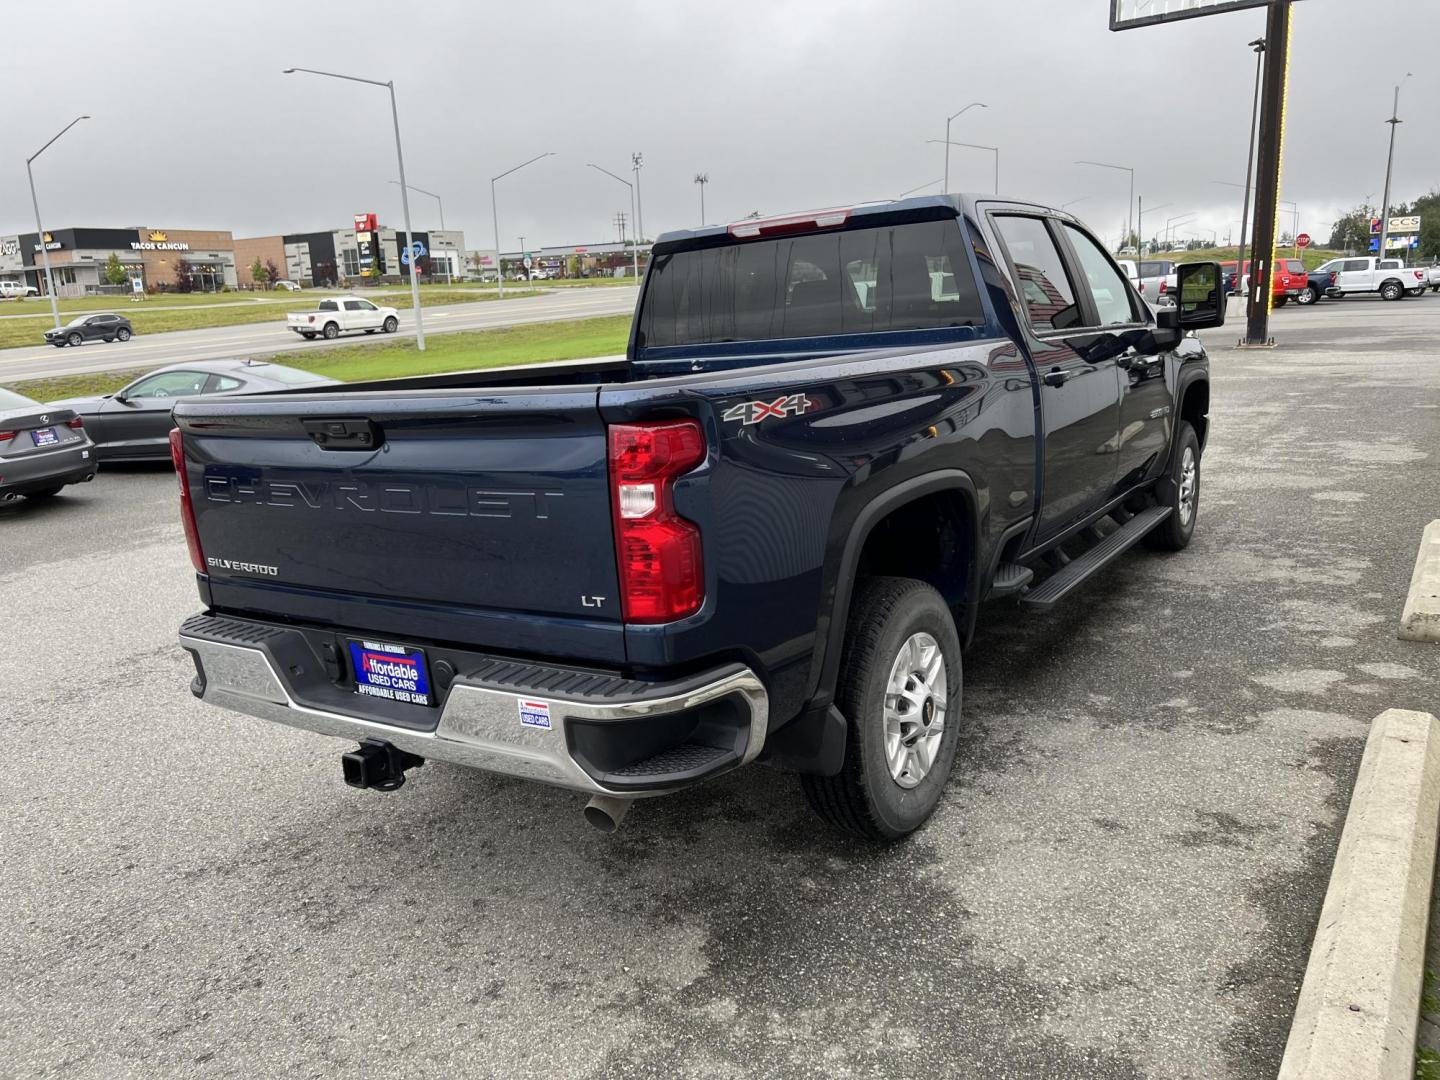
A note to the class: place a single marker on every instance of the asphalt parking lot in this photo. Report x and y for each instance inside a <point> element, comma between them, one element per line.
<point>1122,882</point>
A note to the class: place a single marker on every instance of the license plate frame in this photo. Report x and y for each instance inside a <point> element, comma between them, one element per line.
<point>391,671</point>
<point>45,436</point>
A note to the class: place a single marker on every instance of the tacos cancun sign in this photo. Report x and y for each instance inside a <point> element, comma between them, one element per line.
<point>158,241</point>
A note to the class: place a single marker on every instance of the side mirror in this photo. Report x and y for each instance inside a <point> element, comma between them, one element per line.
<point>1201,289</point>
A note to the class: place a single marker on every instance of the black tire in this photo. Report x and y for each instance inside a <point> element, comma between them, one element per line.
<point>123,334</point>
<point>1308,296</point>
<point>1281,301</point>
<point>391,324</point>
<point>1392,290</point>
<point>864,798</point>
<point>1171,490</point>
<point>46,493</point>
<point>308,335</point>
<point>74,339</point>
<point>331,331</point>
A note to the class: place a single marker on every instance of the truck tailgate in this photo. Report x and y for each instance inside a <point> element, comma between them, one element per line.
<point>444,514</point>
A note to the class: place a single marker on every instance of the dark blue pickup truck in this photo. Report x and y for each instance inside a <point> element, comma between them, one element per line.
<point>764,535</point>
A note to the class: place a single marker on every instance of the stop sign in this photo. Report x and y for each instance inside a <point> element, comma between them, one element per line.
<point>1303,240</point>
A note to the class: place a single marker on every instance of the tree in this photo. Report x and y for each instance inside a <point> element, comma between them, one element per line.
<point>1351,231</point>
<point>257,271</point>
<point>115,274</point>
<point>272,272</point>
<point>184,276</point>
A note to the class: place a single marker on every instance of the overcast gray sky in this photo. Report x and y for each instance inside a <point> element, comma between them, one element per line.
<point>786,105</point>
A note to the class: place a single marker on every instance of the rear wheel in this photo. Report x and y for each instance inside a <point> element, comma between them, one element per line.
<point>391,324</point>
<point>1391,290</point>
<point>1281,301</point>
<point>75,339</point>
<point>1308,296</point>
<point>900,690</point>
<point>331,331</point>
<point>1180,490</point>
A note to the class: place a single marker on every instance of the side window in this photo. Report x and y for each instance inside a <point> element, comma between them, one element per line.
<point>1112,296</point>
<point>169,384</point>
<point>1355,264</point>
<point>366,305</point>
<point>222,384</point>
<point>352,305</point>
<point>1049,296</point>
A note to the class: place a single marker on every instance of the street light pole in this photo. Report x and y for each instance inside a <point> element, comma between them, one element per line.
<point>637,162</point>
<point>1394,122</point>
<point>1259,46</point>
<point>40,229</point>
<point>404,190</point>
<point>952,116</point>
<point>495,213</point>
<point>1130,208</point>
<point>635,248</point>
<point>702,179</point>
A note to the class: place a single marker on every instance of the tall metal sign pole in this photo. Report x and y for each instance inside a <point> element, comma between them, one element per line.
<point>1267,170</point>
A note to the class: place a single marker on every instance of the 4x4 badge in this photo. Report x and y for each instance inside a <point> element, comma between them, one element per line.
<point>752,412</point>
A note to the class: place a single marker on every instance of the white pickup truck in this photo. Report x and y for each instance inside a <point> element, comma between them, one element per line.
<point>1388,277</point>
<point>343,314</point>
<point>1432,277</point>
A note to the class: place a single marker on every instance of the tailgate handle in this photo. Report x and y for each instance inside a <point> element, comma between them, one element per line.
<point>344,434</point>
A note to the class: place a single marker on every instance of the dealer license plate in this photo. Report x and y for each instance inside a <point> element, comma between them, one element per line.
<point>45,436</point>
<point>389,671</point>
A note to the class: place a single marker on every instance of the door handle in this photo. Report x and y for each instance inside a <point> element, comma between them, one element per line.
<point>1056,377</point>
<point>1126,360</point>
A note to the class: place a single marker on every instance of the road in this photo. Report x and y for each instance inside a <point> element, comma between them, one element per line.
<point>223,341</point>
<point>1122,881</point>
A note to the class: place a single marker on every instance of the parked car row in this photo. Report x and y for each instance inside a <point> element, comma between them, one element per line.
<point>43,448</point>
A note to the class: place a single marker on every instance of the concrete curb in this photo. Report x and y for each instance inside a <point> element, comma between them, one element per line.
<point>1360,1002</point>
<point>1420,621</point>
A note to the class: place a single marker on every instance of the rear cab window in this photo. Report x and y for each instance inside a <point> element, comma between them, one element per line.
<point>858,280</point>
<point>328,305</point>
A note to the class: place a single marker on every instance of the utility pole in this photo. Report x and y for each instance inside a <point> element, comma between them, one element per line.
<point>619,223</point>
<point>702,179</point>
<point>1394,122</point>
<point>1259,46</point>
<point>1267,181</point>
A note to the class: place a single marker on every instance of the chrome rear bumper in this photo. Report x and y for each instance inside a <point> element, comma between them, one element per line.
<point>480,724</point>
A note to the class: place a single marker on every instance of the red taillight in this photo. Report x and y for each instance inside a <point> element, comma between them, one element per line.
<point>1164,286</point>
<point>187,508</point>
<point>662,576</point>
<point>6,436</point>
<point>75,422</point>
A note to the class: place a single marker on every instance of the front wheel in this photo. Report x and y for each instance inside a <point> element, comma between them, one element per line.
<point>1180,490</point>
<point>75,339</point>
<point>1308,296</point>
<point>900,691</point>
<point>1391,290</point>
<point>331,331</point>
<point>123,334</point>
<point>391,324</point>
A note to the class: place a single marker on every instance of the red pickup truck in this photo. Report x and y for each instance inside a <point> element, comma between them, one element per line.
<point>1289,281</point>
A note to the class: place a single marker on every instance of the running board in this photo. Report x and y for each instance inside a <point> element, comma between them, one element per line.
<point>1059,584</point>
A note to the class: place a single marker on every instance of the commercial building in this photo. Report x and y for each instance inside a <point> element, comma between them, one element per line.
<point>202,260</point>
<point>363,254</point>
<point>576,260</point>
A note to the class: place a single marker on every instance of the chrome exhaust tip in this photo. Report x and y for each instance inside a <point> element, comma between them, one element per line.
<point>606,812</point>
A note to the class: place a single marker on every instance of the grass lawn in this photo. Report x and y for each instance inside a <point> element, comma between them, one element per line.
<point>230,310</point>
<point>533,343</point>
<point>1312,257</point>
